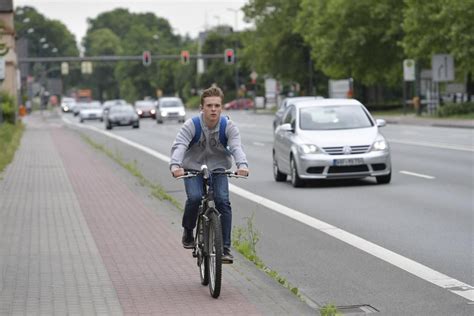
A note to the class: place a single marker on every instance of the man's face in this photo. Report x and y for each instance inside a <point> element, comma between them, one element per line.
<point>211,110</point>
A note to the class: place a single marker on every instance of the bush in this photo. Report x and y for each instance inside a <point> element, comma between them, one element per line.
<point>452,109</point>
<point>7,106</point>
<point>193,102</point>
<point>10,136</point>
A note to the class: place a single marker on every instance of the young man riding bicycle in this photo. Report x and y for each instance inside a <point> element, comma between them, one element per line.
<point>190,151</point>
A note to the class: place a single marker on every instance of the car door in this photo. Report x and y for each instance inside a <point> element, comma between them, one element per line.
<point>285,139</point>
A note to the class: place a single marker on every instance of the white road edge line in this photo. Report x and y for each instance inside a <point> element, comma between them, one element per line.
<point>406,142</point>
<point>417,175</point>
<point>259,144</point>
<point>454,286</point>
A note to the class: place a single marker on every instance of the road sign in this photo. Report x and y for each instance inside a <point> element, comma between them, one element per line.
<point>409,70</point>
<point>64,68</point>
<point>442,67</point>
<point>253,76</point>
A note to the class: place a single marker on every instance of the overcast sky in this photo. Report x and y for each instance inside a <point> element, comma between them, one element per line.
<point>185,16</point>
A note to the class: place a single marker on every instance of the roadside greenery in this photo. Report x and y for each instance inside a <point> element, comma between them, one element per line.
<point>10,136</point>
<point>456,110</point>
<point>301,43</point>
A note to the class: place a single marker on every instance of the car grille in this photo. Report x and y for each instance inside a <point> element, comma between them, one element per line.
<point>173,114</point>
<point>340,150</point>
<point>348,169</point>
<point>315,170</point>
<point>378,166</point>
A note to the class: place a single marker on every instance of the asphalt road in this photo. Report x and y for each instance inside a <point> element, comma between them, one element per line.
<point>425,214</point>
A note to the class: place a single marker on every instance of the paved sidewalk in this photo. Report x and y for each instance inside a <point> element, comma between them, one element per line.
<point>76,239</point>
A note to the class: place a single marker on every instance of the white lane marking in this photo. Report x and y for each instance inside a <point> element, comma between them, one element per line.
<point>417,174</point>
<point>454,286</point>
<point>433,145</point>
<point>259,144</point>
<point>122,139</point>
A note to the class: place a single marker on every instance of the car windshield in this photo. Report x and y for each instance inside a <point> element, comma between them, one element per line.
<point>170,104</point>
<point>121,109</point>
<point>333,117</point>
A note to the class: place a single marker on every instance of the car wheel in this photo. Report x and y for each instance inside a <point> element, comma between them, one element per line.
<point>159,122</point>
<point>384,179</point>
<point>279,176</point>
<point>81,120</point>
<point>296,181</point>
<point>108,126</point>
<point>136,125</point>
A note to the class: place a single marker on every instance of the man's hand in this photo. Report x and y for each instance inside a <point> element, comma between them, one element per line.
<point>178,172</point>
<point>242,172</point>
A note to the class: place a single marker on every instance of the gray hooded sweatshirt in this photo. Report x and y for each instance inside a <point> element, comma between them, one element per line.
<point>208,150</point>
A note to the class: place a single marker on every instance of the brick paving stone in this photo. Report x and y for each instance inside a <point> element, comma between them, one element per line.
<point>47,253</point>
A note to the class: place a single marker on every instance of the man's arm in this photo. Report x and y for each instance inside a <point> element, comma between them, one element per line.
<point>235,146</point>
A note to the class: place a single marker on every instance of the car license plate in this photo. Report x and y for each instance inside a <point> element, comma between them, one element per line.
<point>123,122</point>
<point>348,162</point>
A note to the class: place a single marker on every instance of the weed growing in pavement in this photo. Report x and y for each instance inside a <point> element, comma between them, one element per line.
<point>10,136</point>
<point>245,241</point>
<point>329,310</point>
<point>156,190</point>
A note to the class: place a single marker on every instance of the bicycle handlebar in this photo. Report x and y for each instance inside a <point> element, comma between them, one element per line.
<point>194,173</point>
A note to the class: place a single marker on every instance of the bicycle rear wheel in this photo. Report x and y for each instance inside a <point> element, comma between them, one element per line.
<point>202,260</point>
<point>215,254</point>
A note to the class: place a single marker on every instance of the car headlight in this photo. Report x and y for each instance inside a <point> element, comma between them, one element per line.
<point>308,149</point>
<point>139,112</point>
<point>152,111</point>
<point>380,144</point>
<point>164,114</point>
<point>181,113</point>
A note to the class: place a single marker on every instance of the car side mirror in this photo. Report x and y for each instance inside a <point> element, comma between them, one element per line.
<point>286,127</point>
<point>381,123</point>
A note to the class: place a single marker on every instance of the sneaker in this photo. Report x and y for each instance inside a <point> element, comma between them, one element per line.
<point>227,256</point>
<point>188,239</point>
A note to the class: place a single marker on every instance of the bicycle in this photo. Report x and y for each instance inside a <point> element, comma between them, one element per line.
<point>208,246</point>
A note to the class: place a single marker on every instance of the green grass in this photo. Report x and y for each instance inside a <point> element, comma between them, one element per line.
<point>10,136</point>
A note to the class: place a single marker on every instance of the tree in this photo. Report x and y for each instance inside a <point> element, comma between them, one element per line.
<point>275,47</point>
<point>103,42</point>
<point>357,39</point>
<point>137,33</point>
<point>440,26</point>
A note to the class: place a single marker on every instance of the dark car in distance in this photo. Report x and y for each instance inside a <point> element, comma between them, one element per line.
<point>146,108</point>
<point>121,115</point>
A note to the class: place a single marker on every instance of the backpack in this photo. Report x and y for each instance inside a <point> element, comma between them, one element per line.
<point>197,134</point>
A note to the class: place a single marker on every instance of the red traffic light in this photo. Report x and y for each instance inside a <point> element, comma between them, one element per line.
<point>146,58</point>
<point>229,57</point>
<point>184,57</point>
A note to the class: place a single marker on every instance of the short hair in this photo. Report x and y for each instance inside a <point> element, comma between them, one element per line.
<point>213,91</point>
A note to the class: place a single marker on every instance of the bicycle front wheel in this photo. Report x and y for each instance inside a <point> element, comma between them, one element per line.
<point>202,259</point>
<point>215,254</point>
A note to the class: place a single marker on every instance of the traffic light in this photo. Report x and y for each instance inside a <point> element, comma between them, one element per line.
<point>146,58</point>
<point>184,57</point>
<point>229,57</point>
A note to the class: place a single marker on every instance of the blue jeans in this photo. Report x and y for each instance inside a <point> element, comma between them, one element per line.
<point>220,185</point>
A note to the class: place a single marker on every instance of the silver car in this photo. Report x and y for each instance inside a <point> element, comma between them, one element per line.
<point>170,108</point>
<point>330,139</point>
